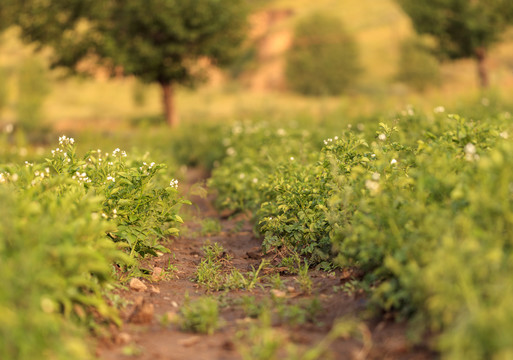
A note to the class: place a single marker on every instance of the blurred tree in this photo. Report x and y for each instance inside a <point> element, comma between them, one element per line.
<point>63,25</point>
<point>418,67</point>
<point>155,40</point>
<point>163,40</point>
<point>323,58</point>
<point>7,10</point>
<point>462,28</point>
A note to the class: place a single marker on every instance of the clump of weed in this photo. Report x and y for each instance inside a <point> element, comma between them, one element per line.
<point>295,265</point>
<point>295,314</point>
<point>253,307</point>
<point>131,350</point>
<point>303,279</point>
<point>210,227</point>
<point>291,263</point>
<point>200,315</point>
<point>276,281</point>
<point>260,341</point>
<point>216,271</point>
<point>237,280</point>
<point>353,287</point>
<point>210,271</point>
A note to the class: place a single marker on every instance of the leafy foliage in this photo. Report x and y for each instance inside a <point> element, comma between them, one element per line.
<point>200,315</point>
<point>143,210</point>
<point>462,29</point>
<point>253,150</point>
<point>158,41</point>
<point>422,207</point>
<point>198,144</point>
<point>161,40</point>
<point>56,264</point>
<point>323,59</point>
<point>419,232</point>
<point>57,260</point>
<point>294,213</point>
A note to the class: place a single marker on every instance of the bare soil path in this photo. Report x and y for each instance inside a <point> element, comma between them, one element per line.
<point>143,336</point>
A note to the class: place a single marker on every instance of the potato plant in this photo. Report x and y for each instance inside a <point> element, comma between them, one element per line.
<point>253,150</point>
<point>57,225</point>
<point>56,265</point>
<point>422,206</point>
<point>434,238</point>
<point>142,207</point>
<point>293,213</point>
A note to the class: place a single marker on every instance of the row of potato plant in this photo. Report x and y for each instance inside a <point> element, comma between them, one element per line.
<point>424,207</point>
<point>67,223</point>
<point>253,150</point>
<point>434,236</point>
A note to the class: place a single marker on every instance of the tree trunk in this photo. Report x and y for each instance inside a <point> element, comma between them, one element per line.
<point>168,100</point>
<point>482,71</point>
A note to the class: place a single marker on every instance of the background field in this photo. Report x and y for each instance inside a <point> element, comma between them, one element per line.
<point>379,27</point>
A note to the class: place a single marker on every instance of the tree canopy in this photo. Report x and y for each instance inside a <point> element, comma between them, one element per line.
<point>162,40</point>
<point>324,58</point>
<point>155,40</point>
<point>462,28</point>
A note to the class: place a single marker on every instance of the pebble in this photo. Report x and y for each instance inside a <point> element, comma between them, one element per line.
<point>137,285</point>
<point>157,273</point>
<point>193,340</point>
<point>123,338</point>
<point>278,293</point>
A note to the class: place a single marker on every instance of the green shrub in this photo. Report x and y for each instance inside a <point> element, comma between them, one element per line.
<point>293,214</point>
<point>200,315</point>
<point>253,151</point>
<point>57,224</point>
<point>198,144</point>
<point>56,264</point>
<point>432,234</point>
<point>323,58</point>
<point>143,208</point>
<point>423,207</point>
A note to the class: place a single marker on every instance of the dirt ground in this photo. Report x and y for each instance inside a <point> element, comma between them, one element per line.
<point>143,336</point>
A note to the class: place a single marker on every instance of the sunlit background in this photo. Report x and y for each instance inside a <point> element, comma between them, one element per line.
<point>255,84</point>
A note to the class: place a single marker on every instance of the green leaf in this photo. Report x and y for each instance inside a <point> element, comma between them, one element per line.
<point>172,231</point>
